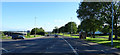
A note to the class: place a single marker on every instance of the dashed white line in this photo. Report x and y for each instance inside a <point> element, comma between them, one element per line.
<point>71,46</point>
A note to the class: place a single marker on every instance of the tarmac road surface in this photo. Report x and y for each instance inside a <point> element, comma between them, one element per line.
<point>55,46</point>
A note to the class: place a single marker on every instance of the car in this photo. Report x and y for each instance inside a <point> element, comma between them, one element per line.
<point>18,37</point>
<point>56,35</point>
<point>48,35</point>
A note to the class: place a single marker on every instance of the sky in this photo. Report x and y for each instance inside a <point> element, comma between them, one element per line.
<point>20,16</point>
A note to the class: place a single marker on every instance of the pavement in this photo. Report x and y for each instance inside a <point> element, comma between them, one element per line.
<point>55,46</point>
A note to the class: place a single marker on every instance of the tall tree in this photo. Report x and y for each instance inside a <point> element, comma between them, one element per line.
<point>71,27</point>
<point>106,15</point>
<point>88,12</point>
<point>39,31</point>
<point>91,25</point>
<point>56,30</point>
<point>100,11</point>
<point>61,29</point>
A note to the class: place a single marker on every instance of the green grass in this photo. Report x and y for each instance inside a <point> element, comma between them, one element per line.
<point>69,35</point>
<point>32,36</point>
<point>4,37</point>
<point>107,36</point>
<point>116,43</point>
<point>103,41</point>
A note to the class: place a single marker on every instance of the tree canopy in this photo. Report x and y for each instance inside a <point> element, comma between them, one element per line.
<point>39,31</point>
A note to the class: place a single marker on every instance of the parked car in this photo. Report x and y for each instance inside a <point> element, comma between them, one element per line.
<point>18,37</point>
<point>48,35</point>
<point>56,35</point>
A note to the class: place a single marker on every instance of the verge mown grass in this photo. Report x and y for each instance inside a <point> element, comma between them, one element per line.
<point>103,41</point>
<point>32,36</point>
<point>4,37</point>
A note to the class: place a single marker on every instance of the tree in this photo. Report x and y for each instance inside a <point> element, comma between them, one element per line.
<point>28,33</point>
<point>61,29</point>
<point>118,33</point>
<point>105,29</point>
<point>2,33</point>
<point>39,31</point>
<point>90,25</point>
<point>88,10</point>
<point>71,26</point>
<point>106,15</point>
<point>79,28</point>
<point>116,18</point>
<point>102,12</point>
<point>89,15</point>
<point>56,30</point>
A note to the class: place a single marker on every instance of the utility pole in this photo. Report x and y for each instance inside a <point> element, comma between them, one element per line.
<point>35,28</point>
<point>112,24</point>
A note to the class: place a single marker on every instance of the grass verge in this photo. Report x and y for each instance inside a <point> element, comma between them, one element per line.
<point>103,41</point>
<point>32,36</point>
<point>4,37</point>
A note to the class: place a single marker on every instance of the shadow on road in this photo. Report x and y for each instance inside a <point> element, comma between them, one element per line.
<point>58,45</point>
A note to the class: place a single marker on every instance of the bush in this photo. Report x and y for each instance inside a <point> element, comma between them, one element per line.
<point>28,34</point>
<point>41,33</point>
<point>2,34</point>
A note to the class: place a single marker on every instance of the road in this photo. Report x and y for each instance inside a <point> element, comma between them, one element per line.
<point>55,46</point>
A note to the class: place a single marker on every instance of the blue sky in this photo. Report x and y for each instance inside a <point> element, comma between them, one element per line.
<point>18,16</point>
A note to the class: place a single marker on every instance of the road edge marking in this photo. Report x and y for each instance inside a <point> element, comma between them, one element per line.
<point>5,50</point>
<point>70,46</point>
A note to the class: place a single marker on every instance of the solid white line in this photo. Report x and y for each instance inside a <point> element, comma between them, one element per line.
<point>71,47</point>
<point>5,50</point>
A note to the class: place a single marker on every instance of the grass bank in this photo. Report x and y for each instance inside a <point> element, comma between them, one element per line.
<point>32,36</point>
<point>4,37</point>
<point>103,41</point>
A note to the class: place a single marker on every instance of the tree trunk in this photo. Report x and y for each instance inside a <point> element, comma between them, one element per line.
<point>116,30</point>
<point>110,33</point>
<point>93,34</point>
<point>85,35</point>
<point>109,36</point>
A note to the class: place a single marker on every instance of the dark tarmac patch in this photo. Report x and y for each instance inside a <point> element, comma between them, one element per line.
<point>58,54</point>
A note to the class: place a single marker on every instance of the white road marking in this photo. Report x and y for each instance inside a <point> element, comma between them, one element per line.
<point>5,50</point>
<point>71,47</point>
